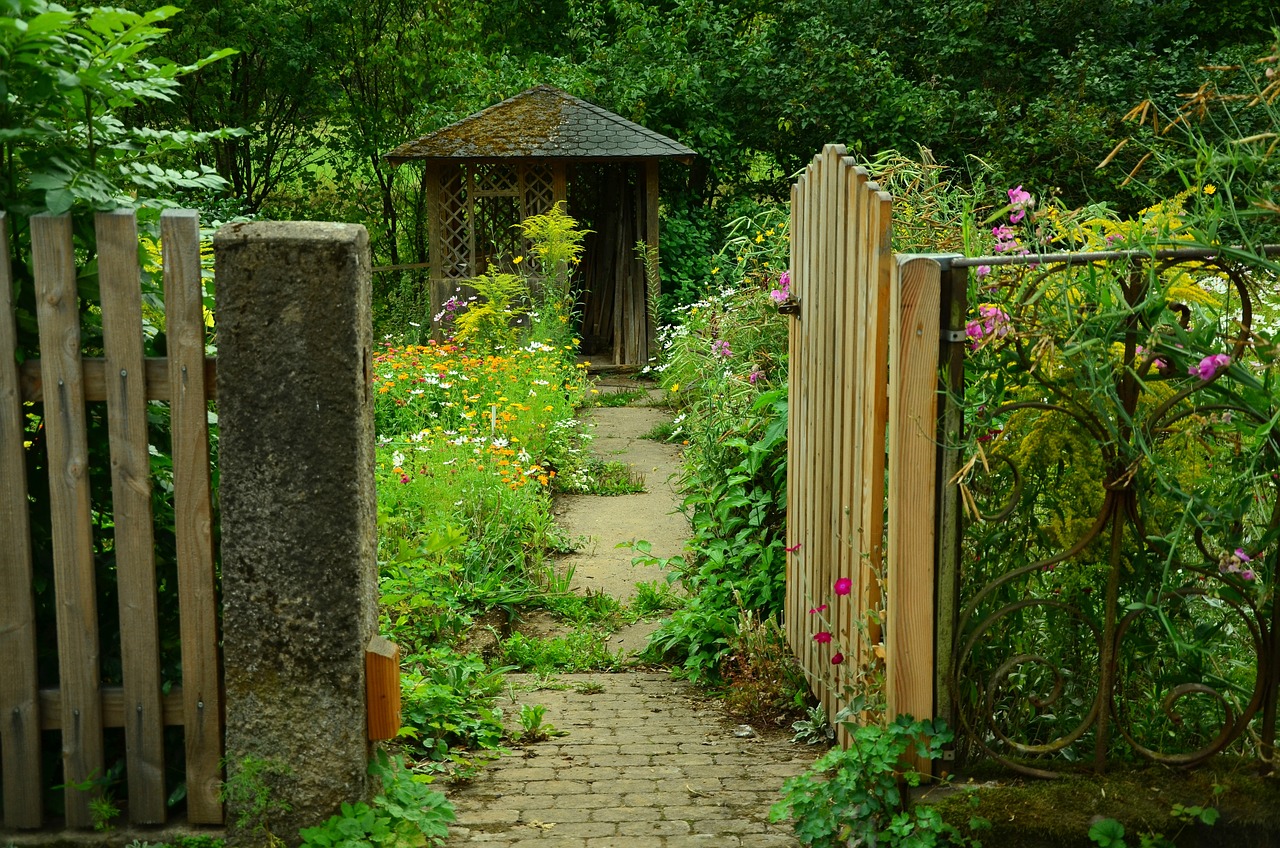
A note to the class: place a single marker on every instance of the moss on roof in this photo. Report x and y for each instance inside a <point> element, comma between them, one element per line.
<point>543,122</point>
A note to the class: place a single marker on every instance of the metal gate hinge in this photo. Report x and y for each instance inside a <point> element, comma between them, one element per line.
<point>954,336</point>
<point>790,306</point>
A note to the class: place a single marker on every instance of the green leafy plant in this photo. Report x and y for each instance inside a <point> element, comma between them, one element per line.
<point>248,793</point>
<point>406,813</point>
<point>854,795</point>
<point>449,705</point>
<point>585,649</point>
<point>532,725</point>
<point>815,728</point>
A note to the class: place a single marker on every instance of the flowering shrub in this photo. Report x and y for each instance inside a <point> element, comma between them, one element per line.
<point>1121,459</point>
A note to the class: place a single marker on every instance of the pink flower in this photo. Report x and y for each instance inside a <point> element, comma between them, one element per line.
<point>720,347</point>
<point>783,291</point>
<point>404,479</point>
<point>844,586</point>
<point>837,658</point>
<point>822,637</point>
<point>982,271</point>
<point>1242,556</point>
<point>818,609</point>
<point>1247,575</point>
<point>1019,200</point>
<point>753,376</point>
<point>1209,366</point>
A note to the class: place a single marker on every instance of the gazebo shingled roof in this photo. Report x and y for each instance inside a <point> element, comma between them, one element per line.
<point>543,122</point>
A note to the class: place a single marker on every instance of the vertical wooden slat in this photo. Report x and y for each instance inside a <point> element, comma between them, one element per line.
<point>64,419</point>
<point>202,706</point>
<point>437,283</point>
<point>843,389</point>
<point>876,326</point>
<point>853,565</point>
<point>807,292</point>
<point>913,369</point>
<point>831,284</point>
<point>794,589</point>
<point>19,704</point>
<point>131,510</point>
<point>651,239</point>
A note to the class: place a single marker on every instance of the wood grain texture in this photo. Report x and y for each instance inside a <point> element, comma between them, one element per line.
<point>119,281</point>
<point>112,699</point>
<point>791,602</point>
<point>382,688</point>
<point>201,681</point>
<point>57,307</point>
<point>876,326</point>
<point>651,239</point>
<point>19,714</point>
<point>94,370</point>
<point>913,370</point>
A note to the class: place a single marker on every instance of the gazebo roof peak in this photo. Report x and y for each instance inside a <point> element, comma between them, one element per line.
<point>541,123</point>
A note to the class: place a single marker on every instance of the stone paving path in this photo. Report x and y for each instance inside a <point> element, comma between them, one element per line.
<point>646,762</point>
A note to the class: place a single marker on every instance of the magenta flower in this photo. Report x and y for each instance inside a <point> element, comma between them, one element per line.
<point>1019,200</point>
<point>720,347</point>
<point>982,271</point>
<point>793,548</point>
<point>1242,556</point>
<point>818,609</point>
<point>753,376</point>
<point>1209,366</point>
<point>1247,575</point>
<point>404,479</point>
<point>837,658</point>
<point>783,291</point>
<point>844,586</point>
<point>822,637</point>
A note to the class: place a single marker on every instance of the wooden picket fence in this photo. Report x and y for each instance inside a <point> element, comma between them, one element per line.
<point>59,385</point>
<point>862,449</point>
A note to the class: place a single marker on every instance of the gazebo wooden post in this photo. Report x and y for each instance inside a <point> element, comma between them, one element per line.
<point>436,284</point>
<point>651,239</point>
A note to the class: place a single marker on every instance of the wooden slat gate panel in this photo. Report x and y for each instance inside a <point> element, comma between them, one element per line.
<point>62,382</point>
<point>845,431</point>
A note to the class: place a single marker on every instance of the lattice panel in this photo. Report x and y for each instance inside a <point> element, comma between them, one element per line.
<point>497,220</point>
<point>455,226</point>
<point>496,179</point>
<point>539,189</point>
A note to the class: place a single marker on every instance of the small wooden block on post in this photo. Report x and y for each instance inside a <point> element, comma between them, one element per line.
<point>382,688</point>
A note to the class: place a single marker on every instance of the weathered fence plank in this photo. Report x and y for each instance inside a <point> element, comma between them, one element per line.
<point>189,418</point>
<point>118,275</point>
<point>57,306</point>
<point>19,714</point>
<point>94,370</point>
<point>909,637</point>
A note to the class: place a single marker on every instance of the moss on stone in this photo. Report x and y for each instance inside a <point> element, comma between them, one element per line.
<point>1044,813</point>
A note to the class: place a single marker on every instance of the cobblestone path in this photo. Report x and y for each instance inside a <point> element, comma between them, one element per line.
<point>645,762</point>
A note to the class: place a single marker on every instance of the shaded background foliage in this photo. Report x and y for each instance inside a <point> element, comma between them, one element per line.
<point>1023,92</point>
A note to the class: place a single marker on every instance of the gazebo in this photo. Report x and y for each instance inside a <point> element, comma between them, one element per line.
<point>491,170</point>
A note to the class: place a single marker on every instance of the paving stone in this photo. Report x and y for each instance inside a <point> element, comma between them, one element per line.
<point>668,779</point>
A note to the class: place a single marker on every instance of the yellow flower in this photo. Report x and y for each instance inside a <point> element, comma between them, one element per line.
<point>759,237</point>
<point>715,270</point>
<point>1209,189</point>
<point>518,260</point>
<point>675,388</point>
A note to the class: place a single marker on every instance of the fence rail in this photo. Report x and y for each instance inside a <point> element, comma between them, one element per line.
<point>63,381</point>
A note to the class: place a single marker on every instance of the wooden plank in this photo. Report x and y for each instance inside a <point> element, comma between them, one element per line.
<point>877,327</point>
<point>829,283</point>
<point>435,243</point>
<point>913,399</point>
<point>19,715</point>
<point>64,419</point>
<point>382,688</point>
<point>184,317</point>
<point>791,612</point>
<point>112,699</point>
<point>94,371</point>
<point>118,276</point>
<point>651,227</point>
<point>852,564</point>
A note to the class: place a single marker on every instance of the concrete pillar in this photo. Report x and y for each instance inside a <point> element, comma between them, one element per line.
<point>299,514</point>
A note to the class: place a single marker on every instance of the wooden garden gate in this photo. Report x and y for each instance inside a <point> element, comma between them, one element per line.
<point>63,381</point>
<point>863,469</point>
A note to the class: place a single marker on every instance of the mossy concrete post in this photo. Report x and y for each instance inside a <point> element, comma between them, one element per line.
<point>299,516</point>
